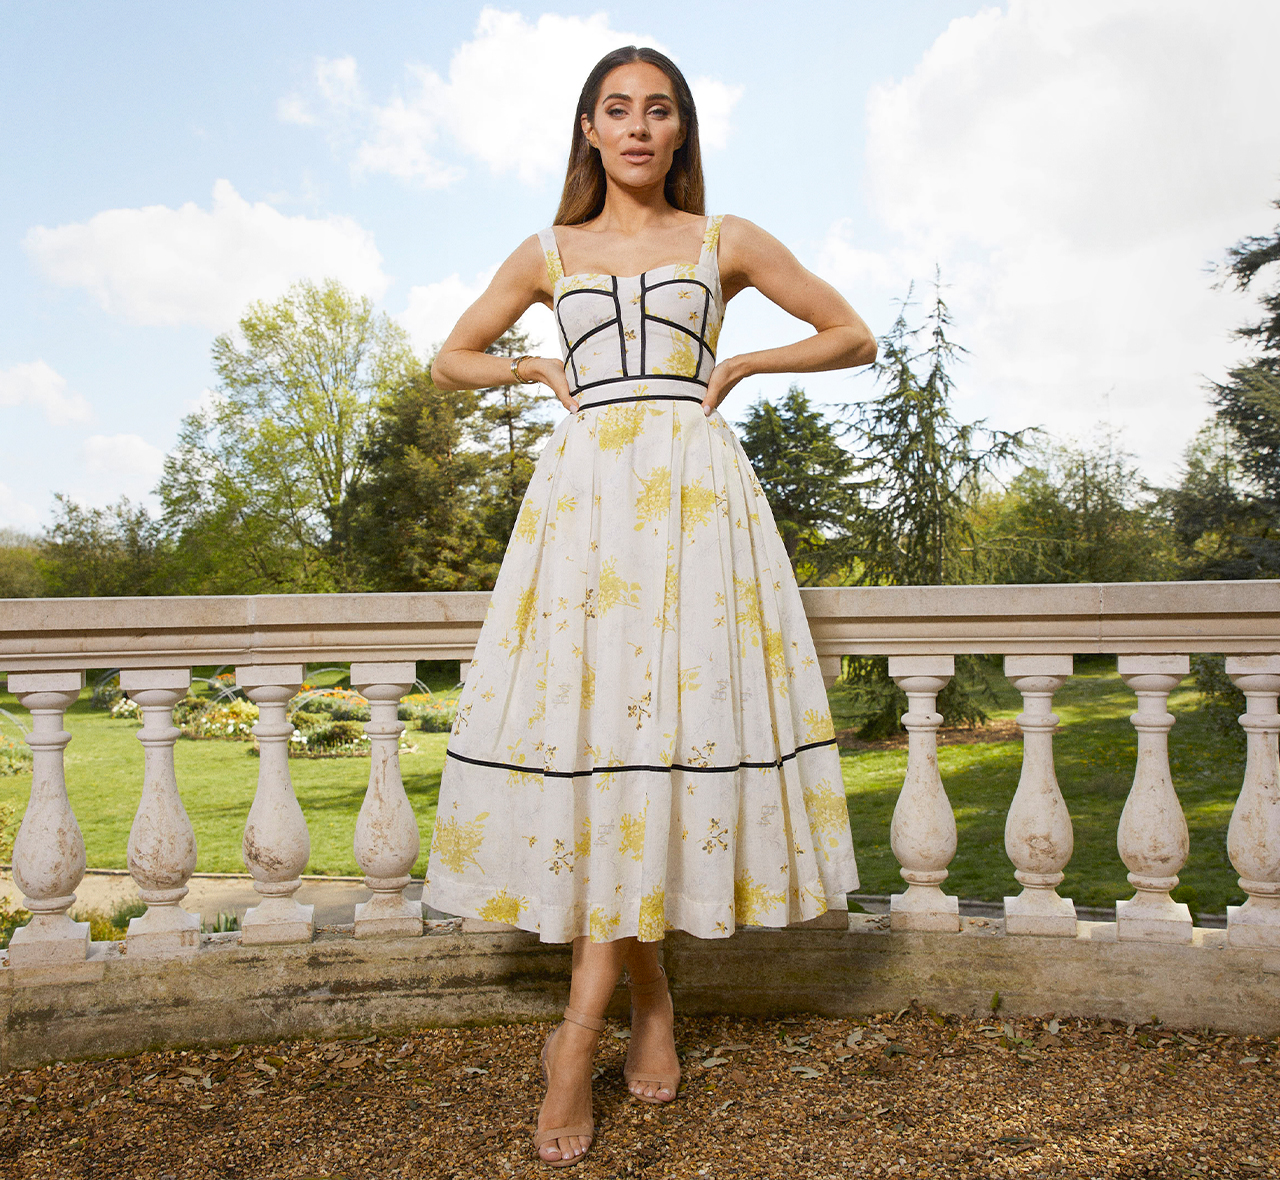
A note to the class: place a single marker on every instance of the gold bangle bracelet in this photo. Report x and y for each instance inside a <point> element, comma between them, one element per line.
<point>515,371</point>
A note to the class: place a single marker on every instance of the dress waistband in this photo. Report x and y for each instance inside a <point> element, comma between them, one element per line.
<point>664,388</point>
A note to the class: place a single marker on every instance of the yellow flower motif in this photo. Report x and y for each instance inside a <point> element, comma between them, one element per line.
<point>828,812</point>
<point>615,590</point>
<point>526,615</point>
<point>654,503</point>
<point>502,907</point>
<point>747,598</point>
<point>621,425</point>
<point>682,360</point>
<point>688,681</point>
<point>752,901</point>
<point>588,697</point>
<point>527,525</point>
<point>670,594</point>
<point>696,504</point>
<point>632,826</point>
<point>455,845</point>
<point>582,845</point>
<point>554,269</point>
<point>653,916</point>
<point>566,504</point>
<point>821,727</point>
<point>774,660</point>
<point>602,924</point>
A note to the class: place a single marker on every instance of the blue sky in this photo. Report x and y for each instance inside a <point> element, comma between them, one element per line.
<point>1074,167</point>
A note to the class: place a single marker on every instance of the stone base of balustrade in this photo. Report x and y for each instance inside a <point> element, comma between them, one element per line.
<point>115,1004</point>
<point>164,932</point>
<point>40,944</point>
<point>270,922</point>
<point>1040,912</point>
<point>1137,922</point>
<point>1248,927</point>
<point>937,913</point>
<point>388,917</point>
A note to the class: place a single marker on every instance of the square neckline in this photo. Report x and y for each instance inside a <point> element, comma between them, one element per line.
<point>708,259</point>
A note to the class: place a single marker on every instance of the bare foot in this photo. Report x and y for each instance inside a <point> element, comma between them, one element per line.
<point>652,1050</point>
<point>569,1055</point>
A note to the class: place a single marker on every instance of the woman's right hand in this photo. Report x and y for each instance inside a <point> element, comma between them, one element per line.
<point>550,372</point>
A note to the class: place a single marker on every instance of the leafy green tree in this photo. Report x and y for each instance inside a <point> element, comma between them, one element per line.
<point>20,575</point>
<point>1075,514</point>
<point>116,551</point>
<point>259,488</point>
<point>510,426</point>
<point>924,468</point>
<point>417,519</point>
<point>808,478</point>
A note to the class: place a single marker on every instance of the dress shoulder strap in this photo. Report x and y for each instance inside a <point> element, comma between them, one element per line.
<point>551,252</point>
<point>711,239</point>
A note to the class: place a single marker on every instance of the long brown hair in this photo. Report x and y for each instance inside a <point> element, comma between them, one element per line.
<point>584,181</point>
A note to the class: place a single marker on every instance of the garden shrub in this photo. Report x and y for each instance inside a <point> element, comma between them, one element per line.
<point>1223,702</point>
<point>15,758</point>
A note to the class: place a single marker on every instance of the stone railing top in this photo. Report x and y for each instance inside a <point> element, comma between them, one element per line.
<point>1149,617</point>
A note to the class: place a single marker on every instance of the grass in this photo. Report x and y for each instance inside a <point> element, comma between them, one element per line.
<point>1095,752</point>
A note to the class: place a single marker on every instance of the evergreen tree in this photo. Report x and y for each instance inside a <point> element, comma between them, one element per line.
<point>807,477</point>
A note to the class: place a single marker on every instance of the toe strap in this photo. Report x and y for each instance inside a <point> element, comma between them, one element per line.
<point>583,1130</point>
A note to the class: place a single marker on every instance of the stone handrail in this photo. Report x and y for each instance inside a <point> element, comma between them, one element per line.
<point>46,645</point>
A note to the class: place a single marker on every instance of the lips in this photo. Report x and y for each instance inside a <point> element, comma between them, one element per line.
<point>638,157</point>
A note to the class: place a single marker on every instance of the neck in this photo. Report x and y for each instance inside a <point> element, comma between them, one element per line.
<point>631,211</point>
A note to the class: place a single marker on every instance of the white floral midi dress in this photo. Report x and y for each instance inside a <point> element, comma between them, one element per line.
<point>643,742</point>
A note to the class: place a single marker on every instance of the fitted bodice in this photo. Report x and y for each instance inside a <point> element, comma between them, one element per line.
<point>650,336</point>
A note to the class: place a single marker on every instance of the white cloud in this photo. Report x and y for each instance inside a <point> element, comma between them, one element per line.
<point>36,384</point>
<point>1074,169</point>
<point>434,308</point>
<point>157,265</point>
<point>122,456</point>
<point>16,513</point>
<point>508,101</point>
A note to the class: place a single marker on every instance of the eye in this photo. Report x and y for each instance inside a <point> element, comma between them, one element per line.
<point>660,112</point>
<point>615,111</point>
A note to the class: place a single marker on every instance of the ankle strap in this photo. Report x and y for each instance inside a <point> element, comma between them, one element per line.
<point>594,1023</point>
<point>657,983</point>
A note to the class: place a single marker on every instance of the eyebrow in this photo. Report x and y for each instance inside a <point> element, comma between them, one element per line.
<point>648,98</point>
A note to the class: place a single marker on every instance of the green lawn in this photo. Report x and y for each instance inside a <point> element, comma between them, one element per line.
<point>1095,755</point>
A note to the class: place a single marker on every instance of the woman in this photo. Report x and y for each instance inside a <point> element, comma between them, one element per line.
<point>643,742</point>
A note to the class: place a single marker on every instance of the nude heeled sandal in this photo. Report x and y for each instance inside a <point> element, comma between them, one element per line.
<point>668,1082</point>
<point>582,1130</point>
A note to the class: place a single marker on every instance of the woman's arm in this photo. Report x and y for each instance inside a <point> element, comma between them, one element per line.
<point>462,362</point>
<point>749,257</point>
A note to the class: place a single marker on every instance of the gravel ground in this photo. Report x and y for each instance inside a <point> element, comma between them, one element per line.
<point>910,1094</point>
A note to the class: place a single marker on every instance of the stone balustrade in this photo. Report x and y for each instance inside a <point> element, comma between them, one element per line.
<point>46,645</point>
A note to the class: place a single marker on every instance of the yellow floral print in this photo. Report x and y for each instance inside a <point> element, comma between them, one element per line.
<point>821,727</point>
<point>670,592</point>
<point>682,360</point>
<point>653,916</point>
<point>502,907</point>
<point>615,590</point>
<point>632,843</point>
<point>621,425</point>
<point>696,504</point>
<point>527,524</point>
<point>828,813</point>
<point>582,845</point>
<point>588,694</point>
<point>602,924</point>
<point>455,845</point>
<point>526,616</point>
<point>654,502</point>
<point>753,901</point>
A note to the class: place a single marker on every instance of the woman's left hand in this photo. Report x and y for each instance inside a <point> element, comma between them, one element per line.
<point>724,377</point>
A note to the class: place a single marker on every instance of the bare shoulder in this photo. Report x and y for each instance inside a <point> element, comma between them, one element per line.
<point>525,270</point>
<point>746,253</point>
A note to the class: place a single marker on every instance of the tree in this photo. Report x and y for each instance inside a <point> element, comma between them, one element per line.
<point>116,551</point>
<point>416,518</point>
<point>510,426</point>
<point>259,488</point>
<point>807,478</point>
<point>1226,508</point>
<point>20,575</point>
<point>1076,514</point>
<point>925,468</point>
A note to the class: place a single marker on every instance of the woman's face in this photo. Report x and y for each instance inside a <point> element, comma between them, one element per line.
<point>636,125</point>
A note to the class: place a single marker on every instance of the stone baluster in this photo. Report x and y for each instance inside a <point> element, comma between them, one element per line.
<point>923,834</point>
<point>162,843</point>
<point>1253,838</point>
<point>464,667</point>
<point>48,853</point>
<point>386,840</point>
<point>276,845</point>
<point>830,667</point>
<point>1037,831</point>
<point>1152,838</point>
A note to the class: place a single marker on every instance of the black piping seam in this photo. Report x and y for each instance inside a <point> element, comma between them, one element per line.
<point>679,328</point>
<point>643,292</point>
<point>622,337</point>
<point>642,397</point>
<point>581,340</point>
<point>688,282</point>
<point>702,333</point>
<point>774,765</point>
<point>639,377</point>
